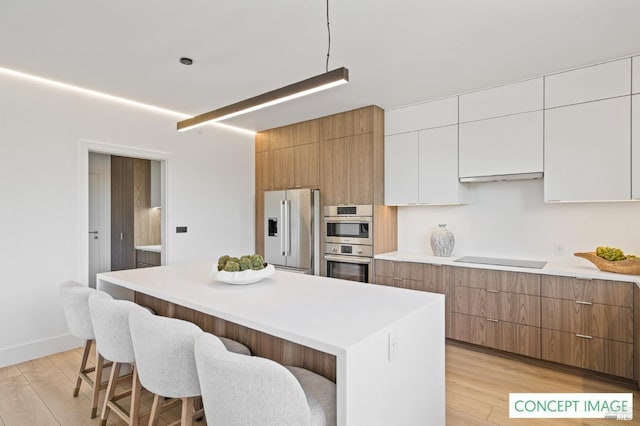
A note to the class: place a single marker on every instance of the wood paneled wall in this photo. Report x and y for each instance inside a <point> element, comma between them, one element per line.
<point>261,344</point>
<point>342,155</point>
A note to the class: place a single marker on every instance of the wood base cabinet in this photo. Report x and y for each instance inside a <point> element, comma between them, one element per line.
<point>497,309</point>
<point>593,353</point>
<point>414,276</point>
<point>505,336</point>
<point>588,324</point>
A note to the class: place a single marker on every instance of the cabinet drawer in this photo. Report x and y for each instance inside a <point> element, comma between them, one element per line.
<point>505,336</point>
<point>503,306</point>
<point>516,308</point>
<point>468,300</point>
<point>604,321</point>
<point>594,291</point>
<point>385,268</point>
<point>605,356</point>
<point>514,282</point>
<point>520,339</point>
<point>473,329</point>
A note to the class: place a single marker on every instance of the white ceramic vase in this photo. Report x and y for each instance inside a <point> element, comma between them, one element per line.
<point>442,241</point>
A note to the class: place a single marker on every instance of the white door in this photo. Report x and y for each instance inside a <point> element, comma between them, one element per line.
<point>94,227</point>
<point>99,229</point>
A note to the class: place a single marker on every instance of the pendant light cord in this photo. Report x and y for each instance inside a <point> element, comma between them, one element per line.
<point>329,39</point>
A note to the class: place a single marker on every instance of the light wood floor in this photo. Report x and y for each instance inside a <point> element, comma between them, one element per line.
<point>39,392</point>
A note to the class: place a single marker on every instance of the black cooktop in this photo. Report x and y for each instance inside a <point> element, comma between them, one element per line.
<point>519,263</point>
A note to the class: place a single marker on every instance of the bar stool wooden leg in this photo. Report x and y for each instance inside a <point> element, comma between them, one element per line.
<point>187,412</point>
<point>83,366</point>
<point>156,407</point>
<point>97,384</point>
<point>136,391</point>
<point>111,390</point>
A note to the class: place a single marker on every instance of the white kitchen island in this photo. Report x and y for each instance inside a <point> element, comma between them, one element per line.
<point>388,343</point>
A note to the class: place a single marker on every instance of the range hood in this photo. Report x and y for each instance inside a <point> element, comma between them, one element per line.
<point>497,178</point>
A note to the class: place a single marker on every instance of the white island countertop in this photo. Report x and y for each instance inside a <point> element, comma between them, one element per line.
<point>580,269</point>
<point>388,342</point>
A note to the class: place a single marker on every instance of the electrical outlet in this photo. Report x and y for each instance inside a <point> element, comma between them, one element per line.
<point>393,345</point>
<point>559,249</point>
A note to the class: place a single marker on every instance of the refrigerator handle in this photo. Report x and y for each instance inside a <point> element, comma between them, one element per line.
<point>283,227</point>
<point>287,228</point>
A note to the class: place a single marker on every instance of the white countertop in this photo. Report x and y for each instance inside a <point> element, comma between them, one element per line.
<point>154,248</point>
<point>323,313</point>
<point>578,270</point>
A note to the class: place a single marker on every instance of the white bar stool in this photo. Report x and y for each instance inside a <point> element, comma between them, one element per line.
<point>113,340</point>
<point>75,302</point>
<point>240,390</point>
<point>165,360</point>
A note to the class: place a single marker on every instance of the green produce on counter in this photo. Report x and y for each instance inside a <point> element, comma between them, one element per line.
<point>612,253</point>
<point>233,264</point>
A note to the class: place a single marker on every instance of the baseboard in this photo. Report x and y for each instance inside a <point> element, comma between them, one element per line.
<point>37,349</point>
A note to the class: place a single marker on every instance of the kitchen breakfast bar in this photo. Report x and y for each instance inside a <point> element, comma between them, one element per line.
<point>383,346</point>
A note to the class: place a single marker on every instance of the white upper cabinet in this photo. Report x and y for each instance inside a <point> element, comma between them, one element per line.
<point>443,112</point>
<point>635,148</point>
<point>422,168</point>
<point>525,96</point>
<point>509,145</point>
<point>588,151</point>
<point>591,83</point>
<point>438,172</point>
<point>401,169</point>
<point>636,74</point>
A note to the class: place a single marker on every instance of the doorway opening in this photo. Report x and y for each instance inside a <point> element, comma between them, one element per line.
<point>123,202</point>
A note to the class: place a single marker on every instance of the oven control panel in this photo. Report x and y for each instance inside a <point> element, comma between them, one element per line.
<point>349,250</point>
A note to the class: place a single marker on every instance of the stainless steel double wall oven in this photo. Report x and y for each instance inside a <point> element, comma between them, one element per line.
<point>348,251</point>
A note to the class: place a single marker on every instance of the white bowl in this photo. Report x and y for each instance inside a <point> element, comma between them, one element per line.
<point>242,277</point>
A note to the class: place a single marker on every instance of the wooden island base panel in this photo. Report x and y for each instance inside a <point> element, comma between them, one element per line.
<point>261,344</point>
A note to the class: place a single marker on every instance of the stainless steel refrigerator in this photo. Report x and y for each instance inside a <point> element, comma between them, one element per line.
<point>291,229</point>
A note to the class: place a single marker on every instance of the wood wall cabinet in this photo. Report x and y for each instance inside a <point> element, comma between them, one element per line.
<point>588,324</point>
<point>497,309</point>
<point>133,222</point>
<point>347,167</point>
<point>123,255</point>
<point>287,157</point>
<point>342,155</point>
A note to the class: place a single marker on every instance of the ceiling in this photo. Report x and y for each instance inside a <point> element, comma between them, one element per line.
<point>397,52</point>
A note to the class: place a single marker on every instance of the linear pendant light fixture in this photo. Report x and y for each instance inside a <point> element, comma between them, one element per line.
<point>296,90</point>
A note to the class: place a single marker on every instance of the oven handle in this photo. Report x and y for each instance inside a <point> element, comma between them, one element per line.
<point>349,259</point>
<point>354,219</point>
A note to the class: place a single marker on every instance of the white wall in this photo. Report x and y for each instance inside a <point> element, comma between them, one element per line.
<point>210,190</point>
<point>510,219</point>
